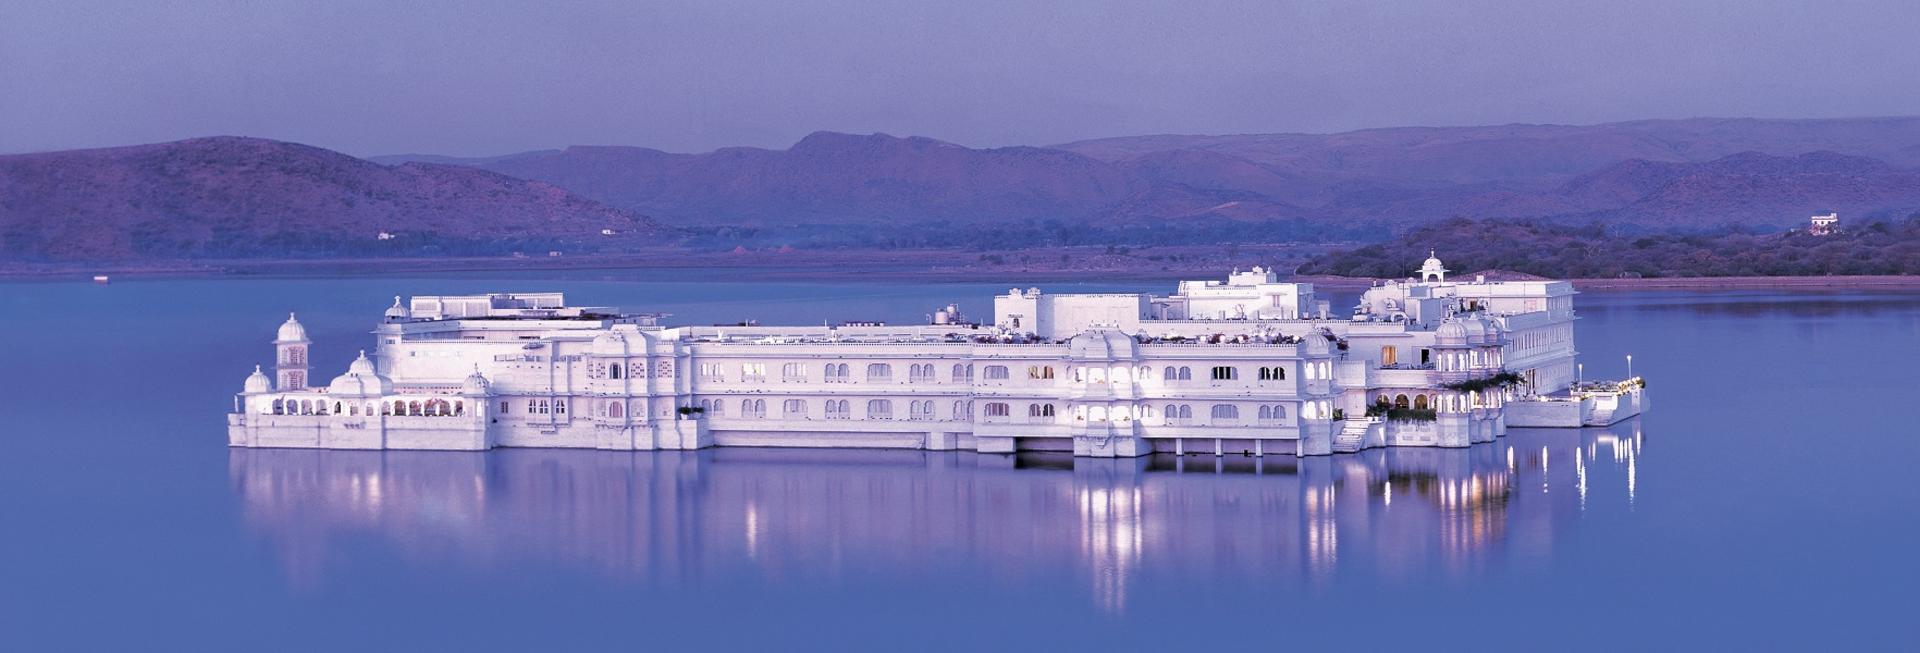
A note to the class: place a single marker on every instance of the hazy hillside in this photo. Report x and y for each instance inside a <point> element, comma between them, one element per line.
<point>252,197</point>
<point>836,178</point>
<point>242,196</point>
<point>1529,152</point>
<point>1634,172</point>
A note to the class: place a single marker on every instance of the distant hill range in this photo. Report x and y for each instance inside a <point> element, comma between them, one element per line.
<point>1684,173</point>
<point>227,196</point>
<point>240,196</point>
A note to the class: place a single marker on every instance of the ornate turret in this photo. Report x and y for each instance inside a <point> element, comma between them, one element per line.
<point>361,380</point>
<point>257,383</point>
<point>475,385</point>
<point>398,311</point>
<point>1433,270</point>
<point>290,354</point>
<point>1451,333</point>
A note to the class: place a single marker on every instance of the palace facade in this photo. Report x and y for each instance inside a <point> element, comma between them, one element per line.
<point>1250,365</point>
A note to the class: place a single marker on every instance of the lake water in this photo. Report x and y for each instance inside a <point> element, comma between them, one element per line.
<point>1767,501</point>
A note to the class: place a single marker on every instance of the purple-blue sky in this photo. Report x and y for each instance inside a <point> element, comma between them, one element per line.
<point>481,77</point>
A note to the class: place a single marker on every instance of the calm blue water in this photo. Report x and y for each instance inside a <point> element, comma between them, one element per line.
<point>1767,502</point>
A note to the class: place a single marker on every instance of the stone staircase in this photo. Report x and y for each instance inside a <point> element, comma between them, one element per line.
<point>1352,436</point>
<point>1601,416</point>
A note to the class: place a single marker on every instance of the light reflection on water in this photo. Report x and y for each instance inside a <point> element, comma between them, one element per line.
<point>674,519</point>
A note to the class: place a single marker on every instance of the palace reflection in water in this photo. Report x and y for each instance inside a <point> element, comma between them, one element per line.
<point>790,515</point>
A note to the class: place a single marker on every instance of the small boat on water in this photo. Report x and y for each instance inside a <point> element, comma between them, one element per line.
<point>100,279</point>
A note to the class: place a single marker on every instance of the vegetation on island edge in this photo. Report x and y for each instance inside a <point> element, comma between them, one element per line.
<point>1560,251</point>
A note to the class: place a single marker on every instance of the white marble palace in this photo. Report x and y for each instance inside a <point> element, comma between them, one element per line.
<point>1251,365</point>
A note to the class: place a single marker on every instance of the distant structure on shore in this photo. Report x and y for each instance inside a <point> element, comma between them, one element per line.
<point>1250,366</point>
<point>1824,225</point>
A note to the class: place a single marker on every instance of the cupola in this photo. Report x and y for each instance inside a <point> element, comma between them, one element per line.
<point>1432,269</point>
<point>398,311</point>
<point>291,331</point>
<point>361,380</point>
<point>475,385</point>
<point>258,382</point>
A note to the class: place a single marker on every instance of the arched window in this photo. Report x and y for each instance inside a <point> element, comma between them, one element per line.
<point>1170,374</point>
<point>1039,372</point>
<point>793,408</point>
<point>1226,411</point>
<point>1266,412</point>
<point>879,409</point>
<point>793,373</point>
<point>960,411</point>
<point>995,372</point>
<point>306,407</point>
<point>1186,374</point>
<point>337,408</point>
<point>1225,373</point>
<point>1040,410</point>
<point>399,408</point>
<point>616,409</point>
<point>1419,402</point>
<point>279,406</point>
<point>459,408</point>
<point>1400,401</point>
<point>1186,412</point>
<point>615,370</point>
<point>837,409</point>
<point>997,409</point>
<point>1273,374</point>
<point>879,373</point>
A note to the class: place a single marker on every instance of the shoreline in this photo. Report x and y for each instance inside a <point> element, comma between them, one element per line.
<point>1075,265</point>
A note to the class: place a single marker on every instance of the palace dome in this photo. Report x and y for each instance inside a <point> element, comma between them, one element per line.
<point>475,385</point>
<point>360,381</point>
<point>1318,343</point>
<point>1451,332</point>
<point>291,331</point>
<point>258,383</point>
<point>398,311</point>
<point>1477,330</point>
<point>1102,344</point>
